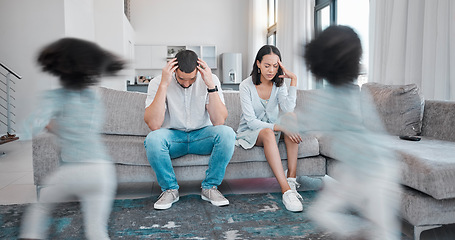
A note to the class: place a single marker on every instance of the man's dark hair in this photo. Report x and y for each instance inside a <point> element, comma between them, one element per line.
<point>335,55</point>
<point>78,63</point>
<point>256,75</point>
<point>187,60</point>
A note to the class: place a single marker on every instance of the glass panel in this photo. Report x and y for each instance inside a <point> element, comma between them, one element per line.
<point>355,13</point>
<point>271,12</point>
<point>322,22</point>
<point>323,18</point>
<point>271,40</point>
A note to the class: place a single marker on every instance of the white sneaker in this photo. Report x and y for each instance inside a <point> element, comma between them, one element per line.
<point>293,184</point>
<point>214,196</point>
<point>291,201</point>
<point>166,199</point>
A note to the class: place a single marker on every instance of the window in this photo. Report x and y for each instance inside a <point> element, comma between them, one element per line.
<point>325,13</point>
<point>324,16</point>
<point>271,21</point>
<point>353,13</point>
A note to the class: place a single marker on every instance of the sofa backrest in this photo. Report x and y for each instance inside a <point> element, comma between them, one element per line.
<point>439,120</point>
<point>232,102</point>
<point>400,107</point>
<point>124,112</point>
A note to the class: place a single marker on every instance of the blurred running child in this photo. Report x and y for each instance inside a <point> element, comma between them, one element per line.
<point>76,114</point>
<point>362,200</point>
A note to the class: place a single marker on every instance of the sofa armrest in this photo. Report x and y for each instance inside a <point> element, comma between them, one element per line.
<point>45,155</point>
<point>439,120</point>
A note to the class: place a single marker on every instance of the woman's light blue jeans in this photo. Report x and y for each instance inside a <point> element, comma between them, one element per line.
<point>162,145</point>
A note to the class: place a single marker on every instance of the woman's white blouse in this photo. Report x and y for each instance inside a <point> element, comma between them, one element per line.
<point>253,110</point>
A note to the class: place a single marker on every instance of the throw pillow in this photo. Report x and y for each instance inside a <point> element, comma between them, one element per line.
<point>400,107</point>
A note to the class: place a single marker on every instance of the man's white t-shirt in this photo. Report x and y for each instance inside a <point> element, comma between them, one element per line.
<point>185,107</point>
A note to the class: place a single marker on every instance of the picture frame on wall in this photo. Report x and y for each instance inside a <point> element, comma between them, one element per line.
<point>143,80</point>
<point>173,50</point>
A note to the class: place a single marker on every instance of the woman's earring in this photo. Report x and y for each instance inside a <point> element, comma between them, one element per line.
<point>259,70</point>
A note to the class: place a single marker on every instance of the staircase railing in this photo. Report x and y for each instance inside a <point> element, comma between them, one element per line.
<point>7,98</point>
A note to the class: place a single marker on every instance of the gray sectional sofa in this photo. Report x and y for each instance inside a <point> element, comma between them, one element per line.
<point>428,166</point>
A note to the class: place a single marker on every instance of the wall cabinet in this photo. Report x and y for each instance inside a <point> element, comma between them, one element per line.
<point>155,57</point>
<point>207,53</point>
<point>149,56</point>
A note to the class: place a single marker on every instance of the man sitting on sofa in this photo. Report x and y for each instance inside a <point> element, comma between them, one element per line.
<point>185,111</point>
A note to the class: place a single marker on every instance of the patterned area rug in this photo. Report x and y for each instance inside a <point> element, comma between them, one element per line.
<point>249,216</point>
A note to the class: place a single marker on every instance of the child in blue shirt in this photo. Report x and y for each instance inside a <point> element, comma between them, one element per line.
<point>366,177</point>
<point>76,114</point>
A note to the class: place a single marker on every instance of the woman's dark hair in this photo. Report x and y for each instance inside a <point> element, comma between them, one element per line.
<point>187,60</point>
<point>78,63</point>
<point>256,75</point>
<point>335,55</point>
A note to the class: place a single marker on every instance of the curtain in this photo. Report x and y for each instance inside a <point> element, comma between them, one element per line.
<point>413,41</point>
<point>257,30</point>
<point>295,27</point>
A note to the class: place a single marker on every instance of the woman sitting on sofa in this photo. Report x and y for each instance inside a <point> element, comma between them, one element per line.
<point>261,95</point>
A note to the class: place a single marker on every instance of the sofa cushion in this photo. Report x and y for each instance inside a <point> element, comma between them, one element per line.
<point>399,106</point>
<point>129,150</point>
<point>124,112</point>
<point>46,156</point>
<point>309,166</point>
<point>427,165</point>
<point>420,209</point>
<point>307,148</point>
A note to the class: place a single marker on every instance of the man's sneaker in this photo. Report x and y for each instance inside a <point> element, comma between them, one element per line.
<point>291,201</point>
<point>166,199</point>
<point>214,196</point>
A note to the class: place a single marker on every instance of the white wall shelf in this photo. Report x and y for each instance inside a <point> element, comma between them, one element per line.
<point>155,56</point>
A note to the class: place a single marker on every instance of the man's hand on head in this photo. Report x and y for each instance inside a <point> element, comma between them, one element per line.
<point>166,73</point>
<point>206,73</point>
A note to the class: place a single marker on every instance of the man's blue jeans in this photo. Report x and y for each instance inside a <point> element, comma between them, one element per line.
<point>164,144</point>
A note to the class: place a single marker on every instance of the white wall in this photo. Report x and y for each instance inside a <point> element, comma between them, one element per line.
<point>79,19</point>
<point>223,23</point>
<point>113,32</point>
<point>27,25</point>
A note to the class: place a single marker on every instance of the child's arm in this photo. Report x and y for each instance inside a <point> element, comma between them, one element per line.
<point>40,119</point>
